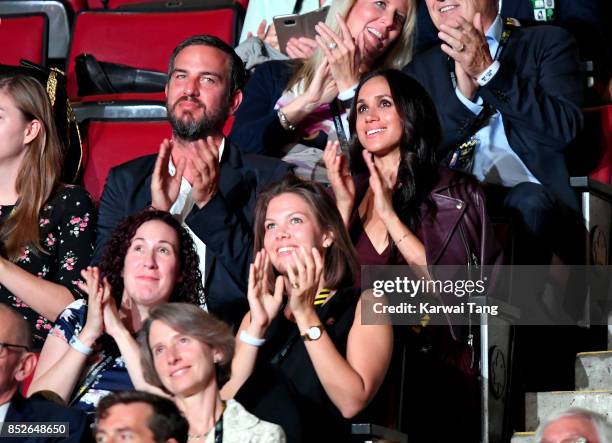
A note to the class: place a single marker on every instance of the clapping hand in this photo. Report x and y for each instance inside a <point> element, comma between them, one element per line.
<point>323,87</point>
<point>204,170</point>
<point>98,295</point>
<point>383,203</point>
<point>263,303</point>
<point>339,176</point>
<point>341,52</point>
<point>165,187</point>
<point>466,43</point>
<point>303,278</point>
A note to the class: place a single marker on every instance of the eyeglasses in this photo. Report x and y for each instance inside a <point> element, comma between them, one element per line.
<point>4,347</point>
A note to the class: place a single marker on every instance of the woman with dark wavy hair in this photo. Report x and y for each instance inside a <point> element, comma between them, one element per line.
<point>402,208</point>
<point>399,205</point>
<point>149,260</point>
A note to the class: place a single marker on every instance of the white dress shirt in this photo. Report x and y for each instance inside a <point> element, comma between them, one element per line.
<point>494,160</point>
<point>182,207</point>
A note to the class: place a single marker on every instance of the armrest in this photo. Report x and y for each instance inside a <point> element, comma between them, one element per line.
<point>586,184</point>
<point>377,432</point>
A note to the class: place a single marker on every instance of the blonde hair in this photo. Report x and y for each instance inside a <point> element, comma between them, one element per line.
<point>397,55</point>
<point>39,171</point>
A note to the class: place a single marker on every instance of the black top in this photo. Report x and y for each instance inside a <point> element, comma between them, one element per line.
<point>284,387</point>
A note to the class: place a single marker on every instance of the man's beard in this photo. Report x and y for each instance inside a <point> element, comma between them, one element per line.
<point>190,129</point>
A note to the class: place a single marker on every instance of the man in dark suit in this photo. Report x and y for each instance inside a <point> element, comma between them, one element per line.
<point>145,417</point>
<point>198,175</point>
<point>514,95</point>
<point>17,364</point>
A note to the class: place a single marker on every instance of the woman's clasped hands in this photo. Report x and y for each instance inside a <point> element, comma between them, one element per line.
<point>102,313</point>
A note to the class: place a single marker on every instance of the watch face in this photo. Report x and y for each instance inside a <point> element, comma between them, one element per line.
<point>314,333</point>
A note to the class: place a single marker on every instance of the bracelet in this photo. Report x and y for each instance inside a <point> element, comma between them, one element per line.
<point>401,239</point>
<point>79,346</point>
<point>249,340</point>
<point>284,121</point>
<point>488,73</point>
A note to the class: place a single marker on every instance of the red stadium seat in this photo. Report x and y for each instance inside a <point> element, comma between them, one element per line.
<point>24,36</point>
<point>142,39</point>
<point>598,123</point>
<point>110,143</point>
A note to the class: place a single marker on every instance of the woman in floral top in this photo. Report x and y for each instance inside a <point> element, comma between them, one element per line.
<point>150,259</point>
<point>46,228</point>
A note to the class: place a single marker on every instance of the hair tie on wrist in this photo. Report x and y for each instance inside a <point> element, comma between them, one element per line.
<point>79,346</point>
<point>245,337</point>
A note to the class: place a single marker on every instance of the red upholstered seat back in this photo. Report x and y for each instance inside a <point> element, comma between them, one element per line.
<point>23,36</point>
<point>110,143</point>
<point>141,39</point>
<point>598,123</point>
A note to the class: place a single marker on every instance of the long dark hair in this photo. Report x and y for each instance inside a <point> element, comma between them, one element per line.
<point>187,289</point>
<point>417,171</point>
<point>340,257</point>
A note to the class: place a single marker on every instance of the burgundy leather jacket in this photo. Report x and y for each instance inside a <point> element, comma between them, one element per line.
<point>458,231</point>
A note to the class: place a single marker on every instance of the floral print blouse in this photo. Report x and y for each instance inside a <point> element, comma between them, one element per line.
<point>67,232</point>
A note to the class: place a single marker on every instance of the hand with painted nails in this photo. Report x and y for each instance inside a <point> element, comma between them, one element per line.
<point>165,187</point>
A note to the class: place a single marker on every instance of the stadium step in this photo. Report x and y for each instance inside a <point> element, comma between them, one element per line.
<point>593,371</point>
<point>523,437</point>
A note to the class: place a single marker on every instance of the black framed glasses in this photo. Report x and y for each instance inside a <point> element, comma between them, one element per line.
<point>4,347</point>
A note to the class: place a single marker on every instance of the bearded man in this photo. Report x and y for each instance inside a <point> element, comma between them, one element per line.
<point>198,175</point>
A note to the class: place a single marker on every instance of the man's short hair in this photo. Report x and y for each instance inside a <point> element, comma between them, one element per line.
<point>23,333</point>
<point>165,422</point>
<point>600,423</point>
<point>237,72</point>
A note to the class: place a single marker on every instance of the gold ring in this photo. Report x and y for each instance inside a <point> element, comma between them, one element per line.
<point>295,286</point>
<point>461,48</point>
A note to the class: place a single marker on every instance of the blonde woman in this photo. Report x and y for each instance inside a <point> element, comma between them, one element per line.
<point>46,227</point>
<point>291,109</point>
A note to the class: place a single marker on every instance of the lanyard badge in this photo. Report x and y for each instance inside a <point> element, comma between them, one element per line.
<point>543,10</point>
<point>462,157</point>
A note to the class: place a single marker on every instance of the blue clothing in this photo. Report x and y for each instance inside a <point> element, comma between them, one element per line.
<point>494,160</point>
<point>37,409</point>
<point>114,377</point>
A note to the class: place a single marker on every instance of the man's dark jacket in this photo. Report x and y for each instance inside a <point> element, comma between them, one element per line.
<point>37,409</point>
<point>538,91</point>
<point>225,224</point>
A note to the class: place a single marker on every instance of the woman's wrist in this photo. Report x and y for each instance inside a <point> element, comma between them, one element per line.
<point>256,331</point>
<point>306,318</point>
<point>87,337</point>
